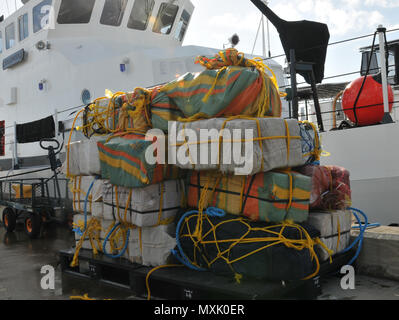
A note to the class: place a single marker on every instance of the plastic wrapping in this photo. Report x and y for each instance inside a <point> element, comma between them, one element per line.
<point>79,187</point>
<point>151,246</point>
<point>143,209</point>
<point>335,228</point>
<point>83,158</point>
<point>123,162</point>
<point>231,85</point>
<point>280,148</point>
<point>264,197</point>
<point>330,187</point>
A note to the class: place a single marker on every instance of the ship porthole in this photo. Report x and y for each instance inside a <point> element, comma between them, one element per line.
<point>86,96</point>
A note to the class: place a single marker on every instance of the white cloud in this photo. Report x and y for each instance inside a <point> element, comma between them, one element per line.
<point>342,17</point>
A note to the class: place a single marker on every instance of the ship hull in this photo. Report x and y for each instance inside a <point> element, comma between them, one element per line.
<point>370,154</point>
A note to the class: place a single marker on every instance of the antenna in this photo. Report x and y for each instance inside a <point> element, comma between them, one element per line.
<point>262,25</point>
<point>8,8</point>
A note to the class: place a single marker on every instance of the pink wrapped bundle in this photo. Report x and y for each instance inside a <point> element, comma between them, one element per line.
<point>330,187</point>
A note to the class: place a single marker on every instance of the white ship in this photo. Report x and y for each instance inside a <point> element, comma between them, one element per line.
<point>58,55</point>
<point>367,152</point>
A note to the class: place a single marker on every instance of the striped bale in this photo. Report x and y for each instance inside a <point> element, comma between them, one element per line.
<point>230,91</point>
<point>271,197</point>
<point>123,162</point>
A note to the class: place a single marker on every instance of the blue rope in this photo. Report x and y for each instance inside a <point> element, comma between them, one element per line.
<point>87,200</point>
<point>107,239</point>
<point>179,254</point>
<point>359,239</point>
<point>77,230</point>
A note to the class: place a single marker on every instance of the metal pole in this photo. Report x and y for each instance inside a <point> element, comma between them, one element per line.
<point>381,33</point>
<point>56,123</point>
<point>294,84</point>
<point>16,162</point>
<point>263,37</point>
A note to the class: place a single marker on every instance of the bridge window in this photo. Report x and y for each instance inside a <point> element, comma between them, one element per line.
<point>182,25</point>
<point>165,19</point>
<point>141,14</point>
<point>23,27</point>
<point>75,11</point>
<point>10,36</point>
<point>41,15</point>
<point>113,12</point>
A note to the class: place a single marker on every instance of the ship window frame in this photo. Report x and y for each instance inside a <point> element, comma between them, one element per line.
<point>38,15</point>
<point>157,28</point>
<point>109,22</point>
<point>133,22</point>
<point>7,36</point>
<point>72,18</point>
<point>182,26</point>
<point>25,27</point>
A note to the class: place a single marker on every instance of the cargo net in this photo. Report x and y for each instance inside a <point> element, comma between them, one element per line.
<point>236,246</point>
<point>209,239</point>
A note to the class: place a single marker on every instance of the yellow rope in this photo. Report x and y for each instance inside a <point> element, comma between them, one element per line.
<point>93,228</point>
<point>317,152</point>
<point>147,278</point>
<point>85,297</point>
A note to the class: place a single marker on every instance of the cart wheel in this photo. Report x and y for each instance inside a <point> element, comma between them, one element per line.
<point>32,225</point>
<point>9,219</point>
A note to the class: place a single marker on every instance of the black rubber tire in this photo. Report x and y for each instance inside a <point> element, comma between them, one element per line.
<point>33,224</point>
<point>9,219</point>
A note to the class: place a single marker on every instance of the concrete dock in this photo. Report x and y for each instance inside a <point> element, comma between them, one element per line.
<point>22,260</point>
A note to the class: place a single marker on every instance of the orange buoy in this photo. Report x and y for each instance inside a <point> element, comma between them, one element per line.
<point>370,106</point>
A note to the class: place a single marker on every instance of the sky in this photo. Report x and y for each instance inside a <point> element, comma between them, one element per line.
<point>214,21</point>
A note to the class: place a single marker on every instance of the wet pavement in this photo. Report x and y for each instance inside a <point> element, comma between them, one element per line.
<point>22,259</point>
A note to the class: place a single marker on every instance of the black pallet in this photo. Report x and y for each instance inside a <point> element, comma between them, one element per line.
<point>180,283</point>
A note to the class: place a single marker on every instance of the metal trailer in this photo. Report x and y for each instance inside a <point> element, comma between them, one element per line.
<point>35,201</point>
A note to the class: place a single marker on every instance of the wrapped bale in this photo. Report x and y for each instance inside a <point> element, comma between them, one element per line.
<point>234,246</point>
<point>335,231</point>
<point>224,145</point>
<point>235,86</point>
<point>83,158</point>
<point>123,162</point>
<point>330,187</point>
<point>80,187</point>
<point>144,207</point>
<point>118,112</point>
<point>270,197</point>
<point>151,246</point>
<point>311,147</point>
